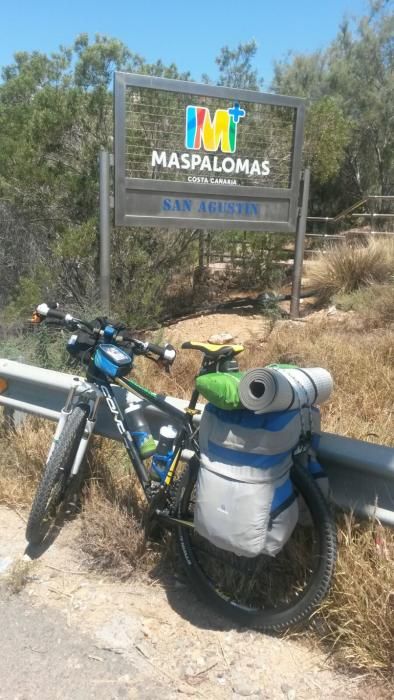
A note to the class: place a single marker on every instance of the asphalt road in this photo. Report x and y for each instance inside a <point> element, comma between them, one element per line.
<point>42,658</point>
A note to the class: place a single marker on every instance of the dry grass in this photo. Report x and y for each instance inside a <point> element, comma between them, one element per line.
<point>112,531</point>
<point>359,611</point>
<point>374,305</point>
<point>113,537</point>
<point>362,367</point>
<point>344,268</point>
<point>22,458</point>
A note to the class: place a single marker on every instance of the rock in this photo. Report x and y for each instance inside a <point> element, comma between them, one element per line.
<point>288,691</point>
<point>244,685</point>
<point>5,564</point>
<point>121,633</point>
<point>221,338</point>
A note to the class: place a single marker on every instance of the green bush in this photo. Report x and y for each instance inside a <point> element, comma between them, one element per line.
<point>44,347</point>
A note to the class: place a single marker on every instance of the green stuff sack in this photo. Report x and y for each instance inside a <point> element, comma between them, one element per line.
<point>221,389</point>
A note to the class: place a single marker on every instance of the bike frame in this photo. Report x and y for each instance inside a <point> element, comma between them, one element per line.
<point>184,436</point>
<point>100,388</point>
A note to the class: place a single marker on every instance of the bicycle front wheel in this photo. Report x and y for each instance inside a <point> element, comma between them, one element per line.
<point>267,593</point>
<point>52,488</point>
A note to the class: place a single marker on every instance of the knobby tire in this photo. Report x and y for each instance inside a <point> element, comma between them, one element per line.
<point>53,485</point>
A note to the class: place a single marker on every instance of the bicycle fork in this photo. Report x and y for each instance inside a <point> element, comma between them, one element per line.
<point>92,399</point>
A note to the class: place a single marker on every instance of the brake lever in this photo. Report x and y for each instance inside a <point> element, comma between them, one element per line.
<point>163,364</point>
<point>36,318</point>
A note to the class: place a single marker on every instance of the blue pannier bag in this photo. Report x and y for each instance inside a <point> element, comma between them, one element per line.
<point>112,360</point>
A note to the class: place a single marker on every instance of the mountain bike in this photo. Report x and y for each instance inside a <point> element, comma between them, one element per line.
<point>268,593</point>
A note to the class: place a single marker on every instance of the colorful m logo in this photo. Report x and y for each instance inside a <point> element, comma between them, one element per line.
<point>202,132</point>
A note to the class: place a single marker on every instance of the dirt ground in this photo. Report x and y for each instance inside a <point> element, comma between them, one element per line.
<point>71,633</point>
<point>242,328</point>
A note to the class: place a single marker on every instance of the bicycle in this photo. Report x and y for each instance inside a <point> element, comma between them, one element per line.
<point>263,592</point>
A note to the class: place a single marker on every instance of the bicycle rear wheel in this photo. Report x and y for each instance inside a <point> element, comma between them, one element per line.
<point>268,593</point>
<point>52,488</point>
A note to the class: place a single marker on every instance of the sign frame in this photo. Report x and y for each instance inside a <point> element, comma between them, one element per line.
<point>180,189</point>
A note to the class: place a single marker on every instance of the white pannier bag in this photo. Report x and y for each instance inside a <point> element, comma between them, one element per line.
<point>245,499</point>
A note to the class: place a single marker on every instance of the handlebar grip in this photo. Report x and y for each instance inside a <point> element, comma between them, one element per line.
<point>166,352</point>
<point>58,315</point>
<point>156,349</point>
<point>125,338</point>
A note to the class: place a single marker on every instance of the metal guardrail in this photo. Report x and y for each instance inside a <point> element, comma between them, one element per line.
<point>361,474</point>
<point>42,392</point>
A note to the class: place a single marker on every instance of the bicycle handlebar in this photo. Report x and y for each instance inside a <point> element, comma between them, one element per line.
<point>166,352</point>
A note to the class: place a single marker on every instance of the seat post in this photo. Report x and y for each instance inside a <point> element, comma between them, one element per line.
<point>194,399</point>
<point>196,393</point>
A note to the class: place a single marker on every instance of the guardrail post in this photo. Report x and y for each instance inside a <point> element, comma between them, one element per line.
<point>299,248</point>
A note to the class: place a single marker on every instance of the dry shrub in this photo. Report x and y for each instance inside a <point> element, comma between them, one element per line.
<point>109,470</point>
<point>112,531</point>
<point>344,269</point>
<point>22,457</point>
<point>19,575</point>
<point>374,305</point>
<point>112,536</point>
<point>359,610</point>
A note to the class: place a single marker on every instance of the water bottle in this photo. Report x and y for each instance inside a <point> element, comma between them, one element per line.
<point>161,460</point>
<point>140,430</point>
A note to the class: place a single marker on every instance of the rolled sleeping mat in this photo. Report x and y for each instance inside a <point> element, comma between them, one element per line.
<point>314,384</point>
<point>263,390</point>
<point>268,389</point>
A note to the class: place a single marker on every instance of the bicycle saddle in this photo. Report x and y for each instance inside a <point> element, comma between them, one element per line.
<point>213,351</point>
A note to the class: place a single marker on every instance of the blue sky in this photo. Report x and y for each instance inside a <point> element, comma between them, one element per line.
<point>189,34</point>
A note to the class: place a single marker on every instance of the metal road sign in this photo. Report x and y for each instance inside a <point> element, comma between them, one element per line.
<point>192,155</point>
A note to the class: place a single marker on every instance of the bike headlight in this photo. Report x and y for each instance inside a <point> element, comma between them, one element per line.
<point>3,385</point>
